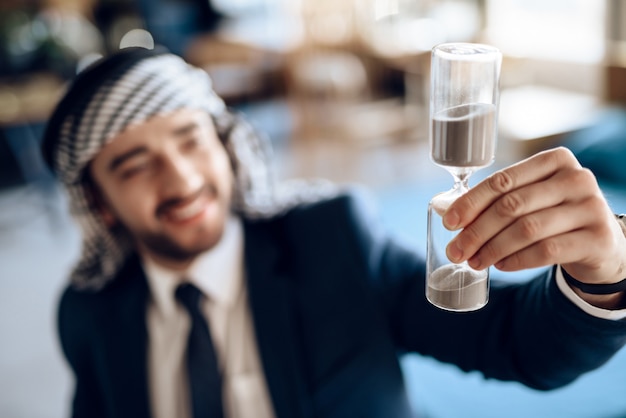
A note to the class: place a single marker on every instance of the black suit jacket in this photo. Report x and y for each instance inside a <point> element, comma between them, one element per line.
<point>334,302</point>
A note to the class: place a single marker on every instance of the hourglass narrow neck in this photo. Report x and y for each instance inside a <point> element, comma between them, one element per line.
<point>441,201</point>
<point>461,185</point>
<point>461,180</point>
<point>461,172</point>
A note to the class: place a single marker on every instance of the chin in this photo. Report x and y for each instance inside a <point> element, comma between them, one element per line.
<point>205,238</point>
<point>184,247</point>
<point>205,245</point>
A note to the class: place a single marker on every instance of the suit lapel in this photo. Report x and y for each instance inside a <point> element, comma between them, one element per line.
<point>271,297</point>
<point>127,343</point>
<point>270,294</point>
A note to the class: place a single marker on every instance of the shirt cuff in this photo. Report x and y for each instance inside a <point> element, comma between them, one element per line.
<point>615,315</point>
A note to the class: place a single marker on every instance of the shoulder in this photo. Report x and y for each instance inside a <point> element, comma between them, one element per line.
<point>348,220</point>
<point>74,296</point>
<point>79,309</point>
<point>349,200</point>
<point>352,208</point>
<point>84,314</point>
<point>347,223</point>
<point>75,322</point>
<point>76,305</point>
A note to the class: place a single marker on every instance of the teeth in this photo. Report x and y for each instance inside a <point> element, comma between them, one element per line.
<point>188,211</point>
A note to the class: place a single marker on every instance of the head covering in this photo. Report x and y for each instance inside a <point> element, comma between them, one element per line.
<point>128,88</point>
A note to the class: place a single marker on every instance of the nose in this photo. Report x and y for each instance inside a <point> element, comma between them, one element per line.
<point>180,176</point>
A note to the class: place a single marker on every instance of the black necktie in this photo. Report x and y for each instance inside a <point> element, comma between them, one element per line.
<point>205,380</point>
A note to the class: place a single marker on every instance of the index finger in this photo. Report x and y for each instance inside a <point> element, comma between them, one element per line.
<point>469,206</point>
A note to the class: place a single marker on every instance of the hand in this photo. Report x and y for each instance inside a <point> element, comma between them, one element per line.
<point>544,210</point>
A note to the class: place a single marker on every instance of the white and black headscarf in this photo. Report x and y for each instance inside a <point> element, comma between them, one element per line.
<point>127,88</point>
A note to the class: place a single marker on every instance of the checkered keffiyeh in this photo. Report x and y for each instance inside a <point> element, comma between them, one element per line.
<point>128,88</point>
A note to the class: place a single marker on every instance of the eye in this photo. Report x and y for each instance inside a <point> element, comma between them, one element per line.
<point>191,143</point>
<point>134,170</point>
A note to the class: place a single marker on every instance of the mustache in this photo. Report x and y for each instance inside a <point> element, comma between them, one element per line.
<point>169,203</point>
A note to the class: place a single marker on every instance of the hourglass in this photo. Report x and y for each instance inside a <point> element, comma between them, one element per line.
<point>463,123</point>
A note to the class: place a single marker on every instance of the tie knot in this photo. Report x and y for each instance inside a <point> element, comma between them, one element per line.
<point>189,295</point>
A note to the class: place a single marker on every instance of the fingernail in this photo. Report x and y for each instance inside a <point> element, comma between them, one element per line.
<point>475,263</point>
<point>451,219</point>
<point>454,252</point>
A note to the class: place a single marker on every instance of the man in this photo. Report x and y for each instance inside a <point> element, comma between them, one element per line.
<point>307,300</point>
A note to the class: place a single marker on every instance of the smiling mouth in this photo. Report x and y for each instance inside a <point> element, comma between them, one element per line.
<point>187,212</point>
<point>182,210</point>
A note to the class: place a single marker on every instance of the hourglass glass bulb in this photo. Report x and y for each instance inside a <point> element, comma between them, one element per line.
<point>450,286</point>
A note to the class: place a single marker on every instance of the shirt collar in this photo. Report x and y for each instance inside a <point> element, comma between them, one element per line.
<point>218,273</point>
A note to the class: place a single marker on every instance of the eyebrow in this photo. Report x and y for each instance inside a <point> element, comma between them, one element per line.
<point>120,159</point>
<point>185,129</point>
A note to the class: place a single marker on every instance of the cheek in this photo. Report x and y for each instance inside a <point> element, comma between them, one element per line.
<point>134,205</point>
<point>226,173</point>
<point>221,171</point>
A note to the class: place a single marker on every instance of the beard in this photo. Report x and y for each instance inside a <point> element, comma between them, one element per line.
<point>164,247</point>
<point>169,247</point>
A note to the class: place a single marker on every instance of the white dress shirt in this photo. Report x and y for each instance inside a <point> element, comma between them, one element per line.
<point>219,274</point>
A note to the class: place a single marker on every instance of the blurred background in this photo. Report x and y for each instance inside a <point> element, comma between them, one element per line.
<point>340,87</point>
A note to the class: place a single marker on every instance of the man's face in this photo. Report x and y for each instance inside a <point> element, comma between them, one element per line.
<point>168,181</point>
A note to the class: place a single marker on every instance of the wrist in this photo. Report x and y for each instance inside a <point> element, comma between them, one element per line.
<point>606,296</point>
<point>612,302</point>
<point>595,289</point>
